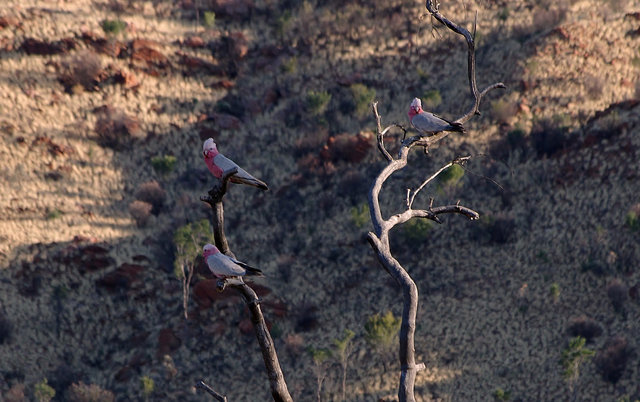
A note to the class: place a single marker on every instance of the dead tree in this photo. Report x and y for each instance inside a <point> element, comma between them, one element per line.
<point>379,238</point>
<point>279,390</point>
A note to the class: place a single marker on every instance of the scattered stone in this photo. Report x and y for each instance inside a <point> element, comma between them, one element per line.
<point>144,51</point>
<point>8,21</point>
<point>194,42</point>
<point>223,84</point>
<point>114,127</point>
<point>245,326</point>
<point>197,63</point>
<point>122,278</point>
<point>233,8</point>
<point>168,342</point>
<point>33,46</point>
<point>348,147</point>
<point>205,293</point>
<point>225,121</point>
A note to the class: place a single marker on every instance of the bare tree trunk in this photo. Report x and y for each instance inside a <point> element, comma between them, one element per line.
<point>279,390</point>
<point>379,238</point>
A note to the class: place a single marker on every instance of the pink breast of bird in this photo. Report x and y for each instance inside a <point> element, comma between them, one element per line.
<point>210,161</point>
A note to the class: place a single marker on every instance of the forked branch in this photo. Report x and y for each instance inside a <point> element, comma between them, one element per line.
<point>433,8</point>
<point>279,390</point>
<point>379,237</point>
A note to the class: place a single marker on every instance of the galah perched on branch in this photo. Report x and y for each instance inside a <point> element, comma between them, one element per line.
<point>225,267</point>
<point>218,164</point>
<point>428,123</point>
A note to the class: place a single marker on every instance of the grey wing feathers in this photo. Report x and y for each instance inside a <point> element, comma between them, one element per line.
<point>430,123</point>
<point>224,266</point>
<point>242,176</point>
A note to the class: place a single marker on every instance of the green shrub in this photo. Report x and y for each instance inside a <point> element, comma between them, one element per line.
<point>632,220</point>
<point>362,96</point>
<point>451,176</point>
<point>572,358</point>
<point>54,214</point>
<point>501,395</point>
<point>554,292</point>
<point>283,23</point>
<point>317,102</point>
<point>43,391</point>
<point>209,19</point>
<point>380,330</point>
<point>113,27</point>
<point>290,65</point>
<point>431,99</point>
<point>163,164</point>
<point>503,15</point>
<point>416,230</point>
<point>320,355</point>
<point>148,386</point>
<point>360,215</point>
<point>188,241</point>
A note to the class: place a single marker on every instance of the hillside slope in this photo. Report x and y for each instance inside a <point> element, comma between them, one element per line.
<point>88,294</point>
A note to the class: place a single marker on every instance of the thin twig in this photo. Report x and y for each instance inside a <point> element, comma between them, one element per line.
<point>202,385</point>
<point>381,133</point>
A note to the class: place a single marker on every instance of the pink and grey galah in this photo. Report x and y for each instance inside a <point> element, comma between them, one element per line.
<point>225,267</point>
<point>428,123</point>
<point>218,164</point>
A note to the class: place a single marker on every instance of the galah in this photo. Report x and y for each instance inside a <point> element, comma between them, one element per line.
<point>225,267</point>
<point>428,123</point>
<point>218,164</point>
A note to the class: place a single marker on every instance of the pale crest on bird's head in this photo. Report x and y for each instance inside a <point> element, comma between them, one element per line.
<point>416,104</point>
<point>209,145</point>
<point>209,248</point>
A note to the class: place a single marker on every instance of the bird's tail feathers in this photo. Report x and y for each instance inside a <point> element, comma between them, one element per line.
<point>457,127</point>
<point>251,271</point>
<point>251,182</point>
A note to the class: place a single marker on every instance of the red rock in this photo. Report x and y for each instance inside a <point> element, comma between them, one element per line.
<point>205,293</point>
<point>38,47</point>
<point>634,15</point>
<point>139,44</point>
<point>245,326</point>
<point>238,45</point>
<point>194,42</point>
<point>149,56</point>
<point>225,121</point>
<point>77,239</point>
<point>348,147</point>
<point>217,328</point>
<point>168,342</point>
<point>277,308</point>
<point>261,291</point>
<point>197,63</point>
<point>121,278</point>
<point>225,84</point>
<point>7,21</point>
<point>233,8</point>
<point>126,79</point>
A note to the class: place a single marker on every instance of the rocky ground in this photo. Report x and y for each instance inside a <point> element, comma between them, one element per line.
<point>95,90</point>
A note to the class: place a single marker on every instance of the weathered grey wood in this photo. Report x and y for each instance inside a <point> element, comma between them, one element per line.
<point>219,397</point>
<point>279,390</point>
<point>379,237</point>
